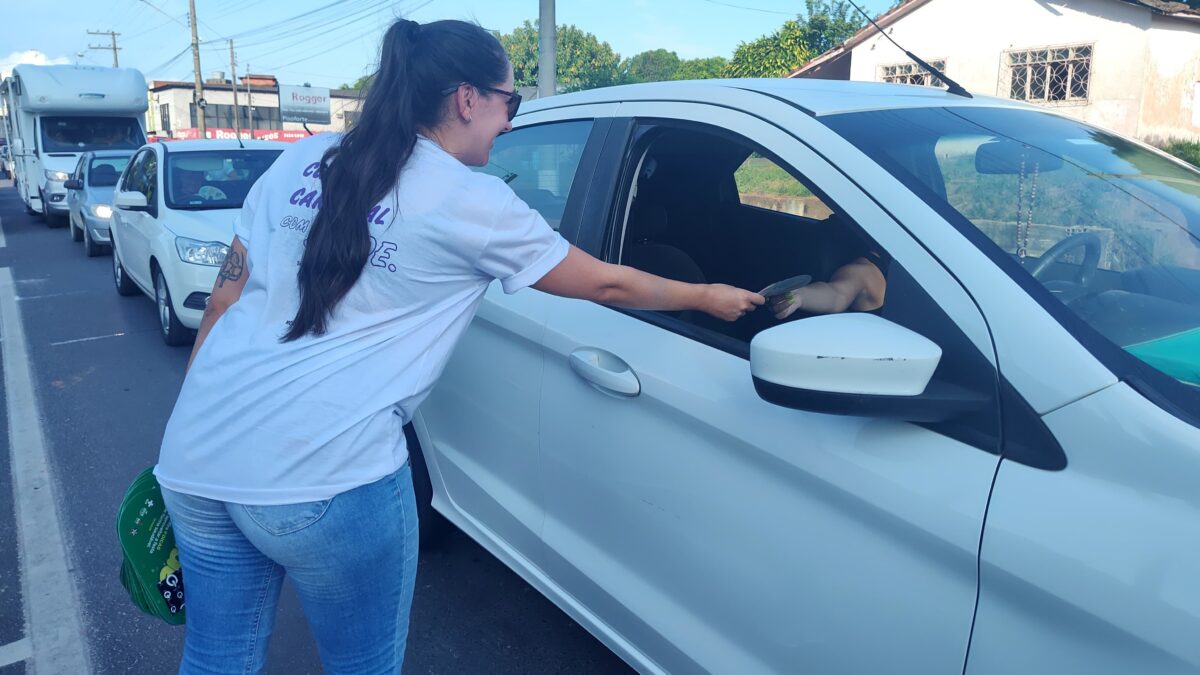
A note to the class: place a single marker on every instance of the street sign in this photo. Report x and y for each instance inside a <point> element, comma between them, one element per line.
<point>303,104</point>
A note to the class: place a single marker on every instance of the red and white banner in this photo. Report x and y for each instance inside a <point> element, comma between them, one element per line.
<point>259,134</point>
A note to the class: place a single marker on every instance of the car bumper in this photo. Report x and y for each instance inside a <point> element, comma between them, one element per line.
<point>55,198</point>
<point>98,229</point>
<point>190,286</point>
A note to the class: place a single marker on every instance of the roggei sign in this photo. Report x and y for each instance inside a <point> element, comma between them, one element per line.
<point>303,104</point>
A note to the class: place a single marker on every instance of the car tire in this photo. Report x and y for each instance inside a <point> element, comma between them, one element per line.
<point>90,247</point>
<point>433,526</point>
<point>173,332</point>
<point>121,278</point>
<point>76,233</point>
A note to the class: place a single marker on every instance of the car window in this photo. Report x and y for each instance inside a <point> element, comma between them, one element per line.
<point>134,175</point>
<point>214,179</point>
<point>149,181</point>
<point>710,207</point>
<point>764,184</point>
<point>77,173</point>
<point>104,171</point>
<point>1111,229</point>
<point>539,164</point>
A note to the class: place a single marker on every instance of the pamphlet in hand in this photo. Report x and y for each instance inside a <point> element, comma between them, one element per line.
<point>785,286</point>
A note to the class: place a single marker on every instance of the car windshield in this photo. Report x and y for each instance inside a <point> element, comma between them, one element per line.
<point>104,171</point>
<point>1111,229</point>
<point>80,134</point>
<point>213,179</point>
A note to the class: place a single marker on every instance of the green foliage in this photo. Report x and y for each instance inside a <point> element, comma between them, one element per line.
<point>359,84</point>
<point>701,69</point>
<point>583,61</point>
<point>656,65</point>
<point>827,24</point>
<point>760,176</point>
<point>1188,151</point>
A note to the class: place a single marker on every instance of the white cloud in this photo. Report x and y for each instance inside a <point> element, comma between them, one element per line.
<point>28,56</point>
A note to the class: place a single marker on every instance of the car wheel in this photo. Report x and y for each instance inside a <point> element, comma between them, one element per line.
<point>120,277</point>
<point>433,525</point>
<point>90,247</point>
<point>76,233</point>
<point>173,332</point>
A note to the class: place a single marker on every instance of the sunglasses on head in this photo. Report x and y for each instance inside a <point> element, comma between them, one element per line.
<point>514,98</point>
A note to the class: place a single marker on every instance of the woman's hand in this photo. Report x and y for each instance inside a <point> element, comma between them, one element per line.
<point>729,303</point>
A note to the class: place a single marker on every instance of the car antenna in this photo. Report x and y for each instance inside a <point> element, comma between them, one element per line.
<point>951,86</point>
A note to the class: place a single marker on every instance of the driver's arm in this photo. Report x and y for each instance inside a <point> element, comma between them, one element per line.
<point>858,285</point>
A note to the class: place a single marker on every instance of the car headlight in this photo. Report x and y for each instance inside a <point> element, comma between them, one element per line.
<point>59,176</point>
<point>201,252</point>
<point>102,211</point>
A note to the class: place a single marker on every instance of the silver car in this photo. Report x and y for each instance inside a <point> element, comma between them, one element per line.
<point>89,197</point>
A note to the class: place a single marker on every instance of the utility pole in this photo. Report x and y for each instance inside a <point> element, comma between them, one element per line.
<point>249,103</point>
<point>196,68</point>
<point>237,125</point>
<point>114,47</point>
<point>547,30</point>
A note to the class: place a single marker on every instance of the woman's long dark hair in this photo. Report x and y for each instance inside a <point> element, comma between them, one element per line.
<point>417,62</point>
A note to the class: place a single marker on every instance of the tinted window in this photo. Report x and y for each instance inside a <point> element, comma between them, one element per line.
<point>539,164</point>
<point>134,178</point>
<point>79,134</point>
<point>214,179</point>
<point>1109,228</point>
<point>104,171</point>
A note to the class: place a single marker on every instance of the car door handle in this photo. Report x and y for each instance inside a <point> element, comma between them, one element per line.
<point>605,371</point>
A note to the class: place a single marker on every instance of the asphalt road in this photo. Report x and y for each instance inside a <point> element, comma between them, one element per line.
<point>105,384</point>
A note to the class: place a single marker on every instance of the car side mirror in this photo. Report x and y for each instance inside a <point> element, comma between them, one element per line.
<point>129,200</point>
<point>852,364</point>
<point>73,184</point>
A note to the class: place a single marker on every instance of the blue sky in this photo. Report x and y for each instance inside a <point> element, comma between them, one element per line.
<point>328,45</point>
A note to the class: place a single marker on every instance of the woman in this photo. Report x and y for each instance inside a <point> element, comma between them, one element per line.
<point>358,262</point>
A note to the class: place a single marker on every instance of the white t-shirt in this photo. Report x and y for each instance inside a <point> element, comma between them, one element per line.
<point>259,421</point>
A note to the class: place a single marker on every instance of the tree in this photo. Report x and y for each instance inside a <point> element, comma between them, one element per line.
<point>701,69</point>
<point>359,84</point>
<point>657,65</point>
<point>827,24</point>
<point>582,62</point>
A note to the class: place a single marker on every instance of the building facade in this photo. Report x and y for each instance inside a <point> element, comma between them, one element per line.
<point>1132,66</point>
<point>172,111</point>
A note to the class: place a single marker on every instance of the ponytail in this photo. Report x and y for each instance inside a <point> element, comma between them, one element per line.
<point>416,63</point>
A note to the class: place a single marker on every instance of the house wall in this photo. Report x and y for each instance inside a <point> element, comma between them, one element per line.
<point>1171,99</point>
<point>973,36</point>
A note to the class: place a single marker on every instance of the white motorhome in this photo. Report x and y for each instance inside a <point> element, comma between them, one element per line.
<point>56,113</point>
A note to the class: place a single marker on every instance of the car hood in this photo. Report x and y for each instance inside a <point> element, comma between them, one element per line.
<point>100,195</point>
<point>61,162</point>
<point>212,225</point>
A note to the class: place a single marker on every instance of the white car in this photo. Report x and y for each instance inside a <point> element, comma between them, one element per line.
<point>996,472</point>
<point>173,222</point>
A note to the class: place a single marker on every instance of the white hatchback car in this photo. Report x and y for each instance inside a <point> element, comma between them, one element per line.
<point>173,222</point>
<point>996,472</point>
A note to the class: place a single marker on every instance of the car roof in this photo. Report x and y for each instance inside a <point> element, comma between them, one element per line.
<point>199,145</point>
<point>816,97</point>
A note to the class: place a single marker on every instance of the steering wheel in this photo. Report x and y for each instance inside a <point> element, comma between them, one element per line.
<point>1074,288</point>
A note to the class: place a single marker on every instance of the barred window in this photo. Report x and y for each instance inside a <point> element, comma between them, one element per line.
<point>1048,74</point>
<point>911,73</point>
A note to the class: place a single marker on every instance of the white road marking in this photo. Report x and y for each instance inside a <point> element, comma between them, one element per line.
<point>52,611</point>
<point>3,242</point>
<point>86,339</point>
<point>15,652</point>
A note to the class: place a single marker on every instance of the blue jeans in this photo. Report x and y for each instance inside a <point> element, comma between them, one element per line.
<point>352,559</point>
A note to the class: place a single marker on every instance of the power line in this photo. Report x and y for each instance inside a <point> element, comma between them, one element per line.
<point>752,9</point>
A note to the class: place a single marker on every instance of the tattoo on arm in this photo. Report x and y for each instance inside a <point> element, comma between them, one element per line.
<point>233,269</point>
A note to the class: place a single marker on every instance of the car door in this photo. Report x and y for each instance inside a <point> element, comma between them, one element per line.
<point>695,527</point>
<point>145,227</point>
<point>75,197</point>
<point>478,427</point>
<point>124,221</point>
